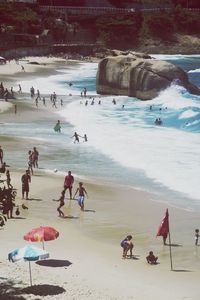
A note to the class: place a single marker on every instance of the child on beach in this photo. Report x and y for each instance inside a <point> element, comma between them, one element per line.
<point>62,203</point>
<point>82,192</point>
<point>197,235</point>
<point>151,258</point>
<point>127,245</point>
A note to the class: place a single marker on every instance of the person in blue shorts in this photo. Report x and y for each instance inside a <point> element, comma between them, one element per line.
<point>82,192</point>
<point>127,245</point>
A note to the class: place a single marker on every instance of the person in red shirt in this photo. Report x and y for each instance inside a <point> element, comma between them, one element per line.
<point>68,183</point>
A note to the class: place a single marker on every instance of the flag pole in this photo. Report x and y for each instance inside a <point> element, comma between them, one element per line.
<point>170,251</point>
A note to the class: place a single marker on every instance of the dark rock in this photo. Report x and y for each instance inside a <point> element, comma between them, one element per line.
<point>138,75</point>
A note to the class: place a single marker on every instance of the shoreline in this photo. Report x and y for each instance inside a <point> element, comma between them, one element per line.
<point>90,240</point>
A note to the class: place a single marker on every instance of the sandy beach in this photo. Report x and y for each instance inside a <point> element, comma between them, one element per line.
<point>86,260</point>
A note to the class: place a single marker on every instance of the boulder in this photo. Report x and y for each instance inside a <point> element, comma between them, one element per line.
<point>138,75</point>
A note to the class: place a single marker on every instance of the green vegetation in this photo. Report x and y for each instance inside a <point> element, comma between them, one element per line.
<point>122,32</point>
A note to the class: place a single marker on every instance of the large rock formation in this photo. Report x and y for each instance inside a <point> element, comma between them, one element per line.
<point>138,75</point>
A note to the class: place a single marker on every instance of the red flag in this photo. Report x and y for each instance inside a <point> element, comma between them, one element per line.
<point>163,229</point>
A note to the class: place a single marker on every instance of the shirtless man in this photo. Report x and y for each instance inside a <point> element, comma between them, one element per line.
<point>82,192</point>
<point>35,156</point>
<point>26,179</point>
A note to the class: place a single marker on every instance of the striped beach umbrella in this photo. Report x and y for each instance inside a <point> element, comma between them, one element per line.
<point>28,253</point>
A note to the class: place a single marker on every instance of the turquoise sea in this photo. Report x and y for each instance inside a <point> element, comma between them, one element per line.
<point>124,145</point>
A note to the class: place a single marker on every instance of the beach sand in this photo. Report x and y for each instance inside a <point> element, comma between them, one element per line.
<point>86,260</point>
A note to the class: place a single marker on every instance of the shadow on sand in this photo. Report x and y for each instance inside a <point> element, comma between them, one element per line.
<point>181,270</point>
<point>89,210</point>
<point>43,290</point>
<point>34,199</point>
<point>54,263</point>
<point>173,245</point>
<point>8,290</point>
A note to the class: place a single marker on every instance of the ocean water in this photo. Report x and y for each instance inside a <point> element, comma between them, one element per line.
<point>124,145</point>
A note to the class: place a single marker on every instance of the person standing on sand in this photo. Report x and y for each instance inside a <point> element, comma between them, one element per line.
<point>26,179</point>
<point>1,155</point>
<point>35,156</point>
<point>68,183</point>
<point>62,203</point>
<point>82,192</point>
<point>30,162</point>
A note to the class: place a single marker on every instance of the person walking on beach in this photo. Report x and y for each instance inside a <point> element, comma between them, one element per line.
<point>127,245</point>
<point>68,183</point>
<point>197,235</point>
<point>81,192</point>
<point>38,95</point>
<point>1,155</point>
<point>35,156</point>
<point>25,179</point>
<point>62,203</point>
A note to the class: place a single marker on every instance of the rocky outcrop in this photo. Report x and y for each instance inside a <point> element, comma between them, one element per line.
<point>138,75</point>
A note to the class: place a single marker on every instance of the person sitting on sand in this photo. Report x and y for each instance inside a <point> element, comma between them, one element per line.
<point>151,259</point>
<point>127,245</point>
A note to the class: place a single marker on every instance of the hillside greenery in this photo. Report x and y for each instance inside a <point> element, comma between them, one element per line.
<point>120,32</point>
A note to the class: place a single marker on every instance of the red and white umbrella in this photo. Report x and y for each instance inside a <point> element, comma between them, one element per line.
<point>41,234</point>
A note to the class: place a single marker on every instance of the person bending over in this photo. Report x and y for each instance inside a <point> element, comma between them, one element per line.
<point>127,245</point>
